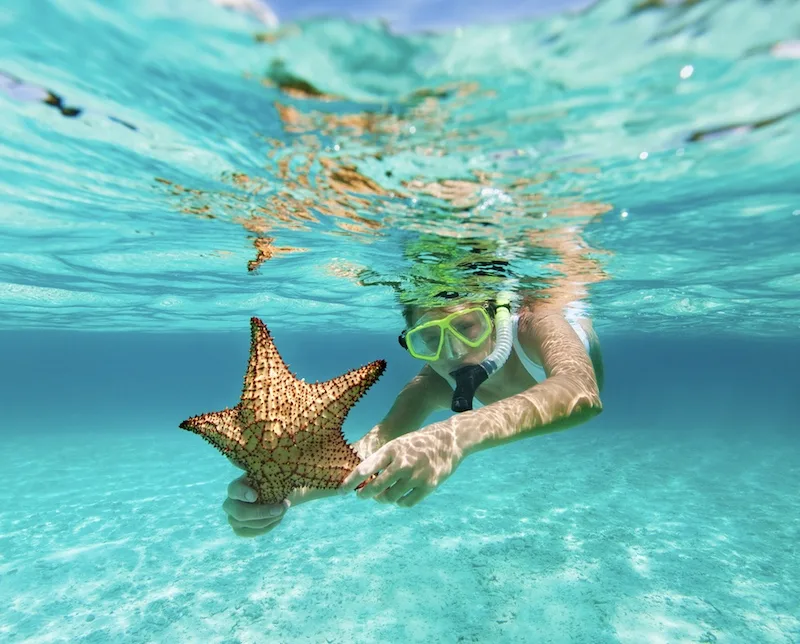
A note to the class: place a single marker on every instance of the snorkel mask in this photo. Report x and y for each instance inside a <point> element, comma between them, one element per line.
<point>471,327</point>
<point>432,337</point>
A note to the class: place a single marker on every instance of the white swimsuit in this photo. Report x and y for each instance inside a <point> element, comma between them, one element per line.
<point>573,315</point>
<point>536,370</point>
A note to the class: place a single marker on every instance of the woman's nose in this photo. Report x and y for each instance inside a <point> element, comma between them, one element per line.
<point>453,347</point>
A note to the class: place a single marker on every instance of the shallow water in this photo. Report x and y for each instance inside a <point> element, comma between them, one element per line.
<point>575,541</point>
<point>312,178</point>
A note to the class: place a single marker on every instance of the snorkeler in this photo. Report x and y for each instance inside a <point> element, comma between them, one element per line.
<point>535,371</point>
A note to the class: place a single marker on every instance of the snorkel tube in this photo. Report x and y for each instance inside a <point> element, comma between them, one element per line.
<point>469,377</point>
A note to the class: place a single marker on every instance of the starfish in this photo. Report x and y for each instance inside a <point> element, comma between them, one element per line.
<point>284,432</point>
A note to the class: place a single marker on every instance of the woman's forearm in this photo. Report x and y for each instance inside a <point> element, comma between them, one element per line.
<point>556,404</point>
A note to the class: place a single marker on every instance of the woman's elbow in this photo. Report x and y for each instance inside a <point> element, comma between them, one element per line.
<point>588,403</point>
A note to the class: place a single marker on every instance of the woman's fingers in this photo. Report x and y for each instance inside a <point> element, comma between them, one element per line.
<point>247,518</point>
<point>246,512</point>
<point>240,490</point>
<point>391,494</point>
<point>252,532</point>
<point>386,479</point>
<point>412,498</point>
<point>254,525</point>
<point>374,463</point>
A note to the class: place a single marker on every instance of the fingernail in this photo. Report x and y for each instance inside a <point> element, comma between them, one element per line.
<point>250,496</point>
<point>276,510</point>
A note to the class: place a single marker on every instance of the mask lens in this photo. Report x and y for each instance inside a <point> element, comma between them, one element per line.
<point>424,341</point>
<point>471,326</point>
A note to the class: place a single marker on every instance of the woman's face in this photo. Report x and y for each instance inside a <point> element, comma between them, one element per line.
<point>454,352</point>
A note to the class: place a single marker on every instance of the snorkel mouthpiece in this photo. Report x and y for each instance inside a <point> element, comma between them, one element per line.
<point>469,377</point>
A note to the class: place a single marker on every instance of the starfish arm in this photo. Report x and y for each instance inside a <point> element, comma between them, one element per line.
<point>325,459</point>
<point>220,428</point>
<point>271,479</point>
<point>269,385</point>
<point>334,398</point>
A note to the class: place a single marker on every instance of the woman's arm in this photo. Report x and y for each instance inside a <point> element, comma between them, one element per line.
<point>569,396</point>
<point>426,393</point>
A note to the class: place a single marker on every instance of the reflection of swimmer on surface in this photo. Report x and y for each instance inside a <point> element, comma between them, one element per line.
<point>532,361</point>
<point>22,91</point>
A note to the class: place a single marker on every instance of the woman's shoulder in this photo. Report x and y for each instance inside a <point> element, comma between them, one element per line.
<point>535,324</point>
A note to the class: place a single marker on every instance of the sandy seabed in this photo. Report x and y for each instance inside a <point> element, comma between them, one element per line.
<point>585,536</point>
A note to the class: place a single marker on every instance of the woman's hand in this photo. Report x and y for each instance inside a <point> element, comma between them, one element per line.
<point>247,518</point>
<point>251,519</point>
<point>409,467</point>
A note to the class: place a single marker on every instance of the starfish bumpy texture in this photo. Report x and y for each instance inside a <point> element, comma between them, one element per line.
<point>286,433</point>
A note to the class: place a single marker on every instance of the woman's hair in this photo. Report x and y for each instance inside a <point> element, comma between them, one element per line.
<point>444,271</point>
<point>408,309</point>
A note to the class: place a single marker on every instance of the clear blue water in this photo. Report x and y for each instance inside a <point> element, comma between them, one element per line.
<point>662,141</point>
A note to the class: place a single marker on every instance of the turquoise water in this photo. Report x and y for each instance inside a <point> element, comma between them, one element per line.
<point>194,175</point>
